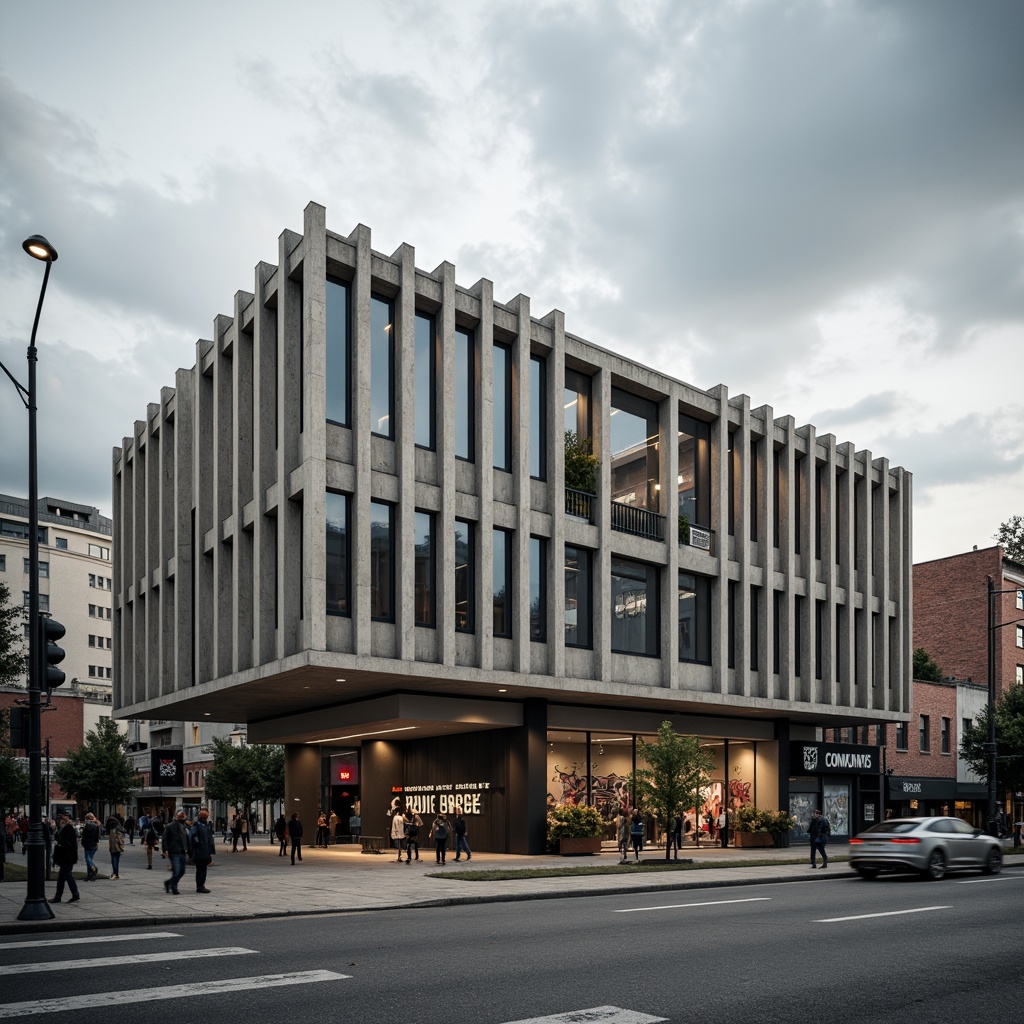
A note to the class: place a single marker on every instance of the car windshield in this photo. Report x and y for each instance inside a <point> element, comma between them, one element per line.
<point>895,826</point>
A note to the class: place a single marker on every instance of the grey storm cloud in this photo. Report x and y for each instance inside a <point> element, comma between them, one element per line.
<point>870,407</point>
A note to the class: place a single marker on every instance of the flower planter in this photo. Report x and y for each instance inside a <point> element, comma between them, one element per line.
<point>752,839</point>
<point>580,846</point>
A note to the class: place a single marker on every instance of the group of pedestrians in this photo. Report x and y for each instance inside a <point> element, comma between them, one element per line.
<point>405,832</point>
<point>289,831</point>
<point>180,843</point>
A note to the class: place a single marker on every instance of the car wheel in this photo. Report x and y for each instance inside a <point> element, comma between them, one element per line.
<point>868,874</point>
<point>936,868</point>
<point>994,864</point>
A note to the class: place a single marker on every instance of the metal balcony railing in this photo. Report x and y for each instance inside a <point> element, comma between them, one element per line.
<point>637,521</point>
<point>579,504</point>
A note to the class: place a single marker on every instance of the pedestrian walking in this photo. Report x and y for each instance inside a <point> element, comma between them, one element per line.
<point>636,835</point>
<point>413,824</point>
<point>236,831</point>
<point>439,830</point>
<point>461,842</point>
<point>244,831</point>
<point>398,831</point>
<point>321,831</point>
<point>90,842</point>
<point>203,846</point>
<point>174,843</point>
<point>295,835</point>
<point>281,832</point>
<point>332,828</point>
<point>819,830</point>
<point>149,840</point>
<point>129,827</point>
<point>65,856</point>
<point>115,844</point>
<point>676,835</point>
<point>623,835</point>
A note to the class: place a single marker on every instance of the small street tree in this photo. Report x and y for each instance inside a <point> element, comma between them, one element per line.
<point>13,776</point>
<point>1009,741</point>
<point>1011,536</point>
<point>12,645</point>
<point>678,772</point>
<point>244,774</point>
<point>925,668</point>
<point>99,773</point>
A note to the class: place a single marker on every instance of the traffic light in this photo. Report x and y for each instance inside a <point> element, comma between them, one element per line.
<point>50,631</point>
<point>19,723</point>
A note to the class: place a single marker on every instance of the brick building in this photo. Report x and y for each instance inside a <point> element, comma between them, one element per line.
<point>951,624</point>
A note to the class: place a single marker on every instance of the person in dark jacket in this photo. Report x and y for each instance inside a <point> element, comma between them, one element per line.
<point>203,847</point>
<point>819,830</point>
<point>65,856</point>
<point>281,832</point>
<point>295,835</point>
<point>461,840</point>
<point>174,843</point>
<point>90,841</point>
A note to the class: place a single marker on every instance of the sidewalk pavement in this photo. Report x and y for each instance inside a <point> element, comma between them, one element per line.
<point>258,883</point>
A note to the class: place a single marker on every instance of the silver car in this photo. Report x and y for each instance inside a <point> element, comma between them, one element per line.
<point>931,846</point>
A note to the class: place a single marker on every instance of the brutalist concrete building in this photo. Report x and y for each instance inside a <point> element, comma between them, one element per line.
<point>358,524</point>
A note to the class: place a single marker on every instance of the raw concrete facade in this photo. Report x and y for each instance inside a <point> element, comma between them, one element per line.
<point>220,498</point>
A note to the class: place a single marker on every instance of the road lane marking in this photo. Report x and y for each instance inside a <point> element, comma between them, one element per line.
<point>678,906</point>
<point>595,1015</point>
<point>95,938</point>
<point>121,961</point>
<point>996,878</point>
<point>207,988</point>
<point>888,913</point>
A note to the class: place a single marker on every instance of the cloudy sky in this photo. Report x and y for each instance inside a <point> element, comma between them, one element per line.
<point>819,203</point>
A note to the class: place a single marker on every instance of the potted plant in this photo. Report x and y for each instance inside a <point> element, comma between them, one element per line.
<point>779,825</point>
<point>575,829</point>
<point>752,826</point>
<point>684,528</point>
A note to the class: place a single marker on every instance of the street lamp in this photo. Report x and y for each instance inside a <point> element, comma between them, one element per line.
<point>36,908</point>
<point>990,746</point>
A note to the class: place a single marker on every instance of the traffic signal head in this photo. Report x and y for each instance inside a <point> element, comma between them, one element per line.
<point>50,631</point>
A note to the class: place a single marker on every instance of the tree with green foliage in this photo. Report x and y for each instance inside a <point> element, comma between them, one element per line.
<point>580,464</point>
<point>678,771</point>
<point>13,775</point>
<point>12,645</point>
<point>244,774</point>
<point>1011,536</point>
<point>99,773</point>
<point>925,668</point>
<point>1009,741</point>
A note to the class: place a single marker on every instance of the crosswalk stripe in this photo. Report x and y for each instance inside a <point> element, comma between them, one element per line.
<point>209,988</point>
<point>595,1015</point>
<point>95,938</point>
<point>121,961</point>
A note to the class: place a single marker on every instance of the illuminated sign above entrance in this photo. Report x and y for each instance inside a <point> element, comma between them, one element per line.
<point>444,798</point>
<point>847,758</point>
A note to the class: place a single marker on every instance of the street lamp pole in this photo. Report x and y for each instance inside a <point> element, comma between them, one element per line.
<point>35,908</point>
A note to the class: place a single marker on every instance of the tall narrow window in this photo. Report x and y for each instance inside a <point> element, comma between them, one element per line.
<point>819,507</point>
<point>819,634</point>
<point>577,597</point>
<point>694,444</point>
<point>753,492</point>
<point>423,591</point>
<point>798,502</point>
<point>634,443</point>
<point>730,600</point>
<point>776,503</point>
<point>901,735</point>
<point>923,734</point>
<point>944,736</point>
<point>382,563</point>
<point>635,613</point>
<point>576,402</point>
<point>425,361</point>
<point>538,589</point>
<point>465,562</point>
<point>465,394</point>
<point>502,579</point>
<point>337,554</point>
<point>694,618</point>
<point>382,366</point>
<point>538,418</point>
<point>502,407</point>
<point>754,632</point>
<point>798,634</point>
<point>776,631</point>
<point>731,468</point>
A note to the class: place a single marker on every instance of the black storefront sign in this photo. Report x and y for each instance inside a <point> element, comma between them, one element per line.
<point>905,788</point>
<point>813,758</point>
<point>167,768</point>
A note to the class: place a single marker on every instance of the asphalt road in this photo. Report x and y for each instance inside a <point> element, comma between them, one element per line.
<point>894,950</point>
